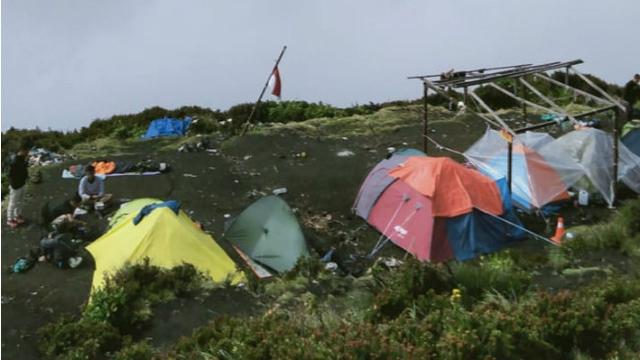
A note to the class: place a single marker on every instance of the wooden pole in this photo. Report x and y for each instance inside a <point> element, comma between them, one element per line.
<point>486,107</point>
<point>523,94</point>
<point>546,99</point>
<point>599,90</point>
<point>522,100</point>
<point>616,138</point>
<point>264,88</point>
<point>425,129</point>
<point>574,90</point>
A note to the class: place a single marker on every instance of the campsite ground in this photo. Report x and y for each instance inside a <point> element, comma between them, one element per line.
<point>302,157</point>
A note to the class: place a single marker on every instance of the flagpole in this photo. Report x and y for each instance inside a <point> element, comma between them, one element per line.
<point>255,107</point>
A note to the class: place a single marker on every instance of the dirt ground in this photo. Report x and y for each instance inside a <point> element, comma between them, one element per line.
<point>209,186</point>
<point>321,188</point>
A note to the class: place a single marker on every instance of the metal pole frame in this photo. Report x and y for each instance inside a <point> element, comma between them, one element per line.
<point>425,129</point>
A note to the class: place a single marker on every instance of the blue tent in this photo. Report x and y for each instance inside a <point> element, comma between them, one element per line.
<point>167,127</point>
<point>479,233</point>
<point>632,141</point>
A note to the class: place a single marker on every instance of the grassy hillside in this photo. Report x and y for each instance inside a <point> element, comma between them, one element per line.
<point>578,301</point>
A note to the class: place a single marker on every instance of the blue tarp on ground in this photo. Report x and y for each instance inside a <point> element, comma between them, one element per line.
<point>478,233</point>
<point>632,141</point>
<point>167,127</point>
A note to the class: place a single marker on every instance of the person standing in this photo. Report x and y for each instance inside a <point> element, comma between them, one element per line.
<point>631,94</point>
<point>18,174</point>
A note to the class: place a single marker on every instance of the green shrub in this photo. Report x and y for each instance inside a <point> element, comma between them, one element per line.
<point>593,322</point>
<point>204,125</point>
<point>558,258</point>
<point>496,272</point>
<point>79,339</point>
<point>412,283</point>
<point>621,232</point>
<point>307,266</point>
<point>137,351</point>
<point>120,308</point>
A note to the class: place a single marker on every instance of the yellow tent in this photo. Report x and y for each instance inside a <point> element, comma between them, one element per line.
<point>131,207</point>
<point>167,240</point>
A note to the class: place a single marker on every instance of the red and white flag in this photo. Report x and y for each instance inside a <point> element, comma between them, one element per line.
<point>274,83</point>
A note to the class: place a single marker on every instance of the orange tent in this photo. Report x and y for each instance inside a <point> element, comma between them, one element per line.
<point>453,188</point>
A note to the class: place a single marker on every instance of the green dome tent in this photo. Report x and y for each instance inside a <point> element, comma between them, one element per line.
<point>268,232</point>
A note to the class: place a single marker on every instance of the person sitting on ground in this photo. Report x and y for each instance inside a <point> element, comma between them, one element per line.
<point>18,174</point>
<point>75,226</point>
<point>91,188</point>
<point>58,249</point>
<point>53,211</point>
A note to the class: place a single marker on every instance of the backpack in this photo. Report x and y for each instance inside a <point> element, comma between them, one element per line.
<point>21,265</point>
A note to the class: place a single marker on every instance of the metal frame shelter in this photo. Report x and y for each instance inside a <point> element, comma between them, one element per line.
<point>446,83</point>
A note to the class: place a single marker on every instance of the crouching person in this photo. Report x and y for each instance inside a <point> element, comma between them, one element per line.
<point>58,250</point>
<point>91,189</point>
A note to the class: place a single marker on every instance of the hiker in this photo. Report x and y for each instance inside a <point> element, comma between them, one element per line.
<point>52,211</point>
<point>58,249</point>
<point>631,94</point>
<point>18,174</point>
<point>91,188</point>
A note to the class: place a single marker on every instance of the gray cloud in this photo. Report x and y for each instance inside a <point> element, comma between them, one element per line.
<point>65,63</point>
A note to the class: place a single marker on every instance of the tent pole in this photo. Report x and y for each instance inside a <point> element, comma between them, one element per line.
<point>523,94</point>
<point>425,129</point>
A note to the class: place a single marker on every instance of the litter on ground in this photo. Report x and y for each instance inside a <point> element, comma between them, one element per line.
<point>279,191</point>
<point>345,153</point>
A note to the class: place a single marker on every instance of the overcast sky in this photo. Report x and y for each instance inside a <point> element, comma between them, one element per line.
<point>66,63</point>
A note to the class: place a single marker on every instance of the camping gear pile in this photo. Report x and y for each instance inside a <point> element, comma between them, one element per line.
<point>202,144</point>
<point>44,157</point>
<point>436,208</point>
<point>105,168</point>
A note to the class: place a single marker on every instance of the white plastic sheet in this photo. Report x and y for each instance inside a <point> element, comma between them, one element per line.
<point>592,150</point>
<point>536,181</point>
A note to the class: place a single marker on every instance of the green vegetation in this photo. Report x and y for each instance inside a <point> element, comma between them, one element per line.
<point>491,307</point>
<point>118,311</point>
<point>621,233</point>
<point>131,126</point>
<point>596,321</point>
